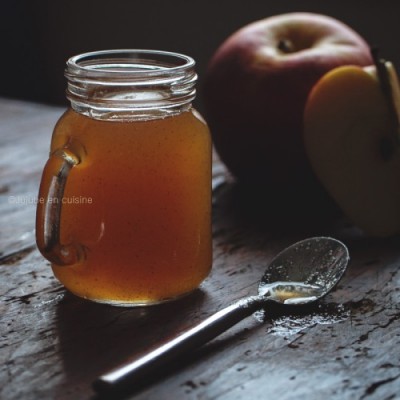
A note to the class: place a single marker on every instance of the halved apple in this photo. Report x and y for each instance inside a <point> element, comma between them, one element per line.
<point>351,139</point>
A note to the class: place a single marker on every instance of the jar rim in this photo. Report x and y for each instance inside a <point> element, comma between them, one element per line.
<point>129,63</point>
<point>132,83</point>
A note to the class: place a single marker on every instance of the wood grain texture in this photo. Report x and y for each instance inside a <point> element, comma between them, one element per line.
<point>53,345</point>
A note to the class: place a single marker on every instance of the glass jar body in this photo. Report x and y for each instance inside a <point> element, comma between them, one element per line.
<point>137,203</point>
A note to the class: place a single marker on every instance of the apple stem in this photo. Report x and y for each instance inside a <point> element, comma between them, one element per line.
<point>384,80</point>
<point>286,46</point>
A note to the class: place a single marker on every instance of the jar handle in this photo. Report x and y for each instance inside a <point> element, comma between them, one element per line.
<point>48,215</point>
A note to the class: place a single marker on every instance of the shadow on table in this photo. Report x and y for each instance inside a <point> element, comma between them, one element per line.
<point>283,212</point>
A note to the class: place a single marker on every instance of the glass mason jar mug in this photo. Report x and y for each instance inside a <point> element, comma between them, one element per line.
<point>125,199</point>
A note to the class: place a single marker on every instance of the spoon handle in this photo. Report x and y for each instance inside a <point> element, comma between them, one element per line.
<point>133,372</point>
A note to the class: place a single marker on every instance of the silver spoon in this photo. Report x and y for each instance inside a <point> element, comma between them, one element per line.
<point>300,274</point>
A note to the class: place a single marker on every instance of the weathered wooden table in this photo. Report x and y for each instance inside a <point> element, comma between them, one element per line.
<point>53,345</point>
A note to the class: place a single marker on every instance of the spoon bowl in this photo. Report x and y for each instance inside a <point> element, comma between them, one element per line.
<point>305,271</point>
<point>302,273</point>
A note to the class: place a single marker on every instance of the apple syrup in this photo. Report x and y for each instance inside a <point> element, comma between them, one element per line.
<point>146,230</point>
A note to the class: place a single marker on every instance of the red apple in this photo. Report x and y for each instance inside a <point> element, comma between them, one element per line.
<point>255,92</point>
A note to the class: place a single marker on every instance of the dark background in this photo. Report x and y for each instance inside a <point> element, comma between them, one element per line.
<point>38,36</point>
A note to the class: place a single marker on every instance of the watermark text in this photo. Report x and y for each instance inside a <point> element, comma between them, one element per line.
<point>32,200</point>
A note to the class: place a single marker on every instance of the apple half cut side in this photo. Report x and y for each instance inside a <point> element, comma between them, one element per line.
<point>350,139</point>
